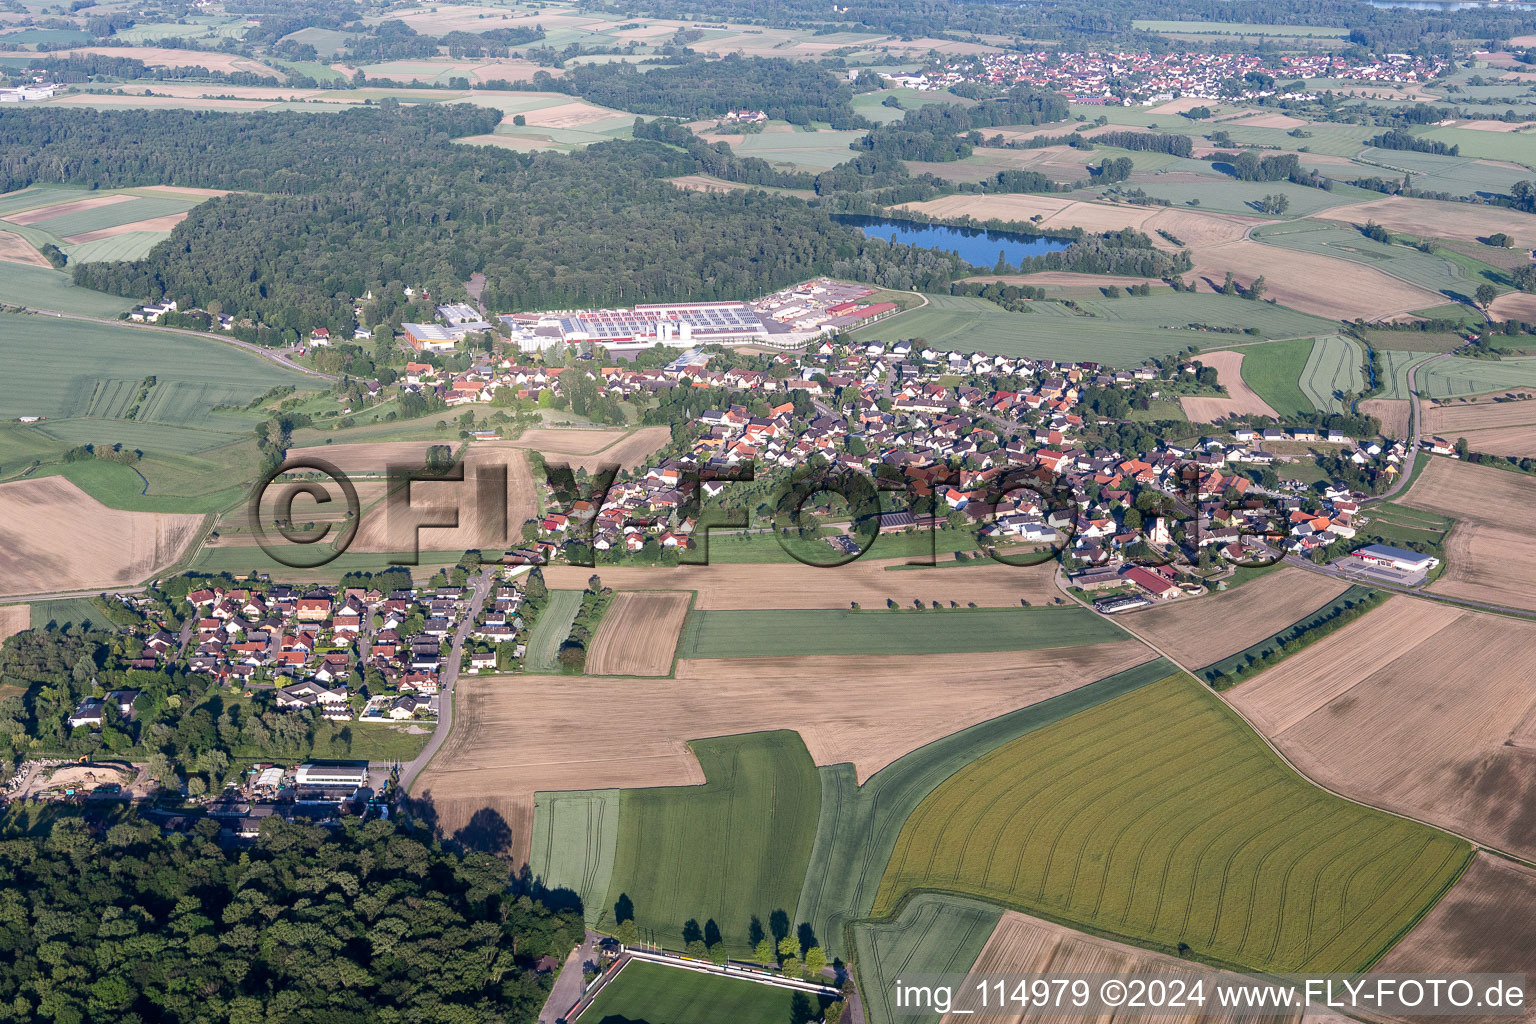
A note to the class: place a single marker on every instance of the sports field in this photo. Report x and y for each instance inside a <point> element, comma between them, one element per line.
<point>652,993</point>
<point>1274,372</point>
<point>767,634</point>
<point>731,853</point>
<point>550,630</point>
<point>1161,818</point>
<point>859,824</point>
<point>1334,369</point>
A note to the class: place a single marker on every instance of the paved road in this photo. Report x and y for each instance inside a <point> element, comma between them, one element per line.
<point>570,984</point>
<point>270,355</point>
<point>450,675</point>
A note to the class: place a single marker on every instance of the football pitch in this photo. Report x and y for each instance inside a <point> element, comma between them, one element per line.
<point>652,993</point>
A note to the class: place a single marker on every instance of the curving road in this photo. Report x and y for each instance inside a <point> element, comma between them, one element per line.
<point>270,355</point>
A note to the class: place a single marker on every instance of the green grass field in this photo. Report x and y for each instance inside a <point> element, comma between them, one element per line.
<point>803,151</point>
<point>550,630</point>
<point>132,245</point>
<point>768,633</point>
<point>859,824</point>
<point>1517,147</point>
<point>1160,817</point>
<point>75,611</point>
<point>1334,368</point>
<point>1274,372</point>
<point>652,993</point>
<point>1228,195</point>
<point>934,934</point>
<point>240,560</point>
<point>1120,332</point>
<point>732,852</point>
<point>1453,376</point>
<point>1457,175</point>
<point>42,288</point>
<point>575,837</point>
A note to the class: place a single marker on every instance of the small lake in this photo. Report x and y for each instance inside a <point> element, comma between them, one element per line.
<point>978,248</point>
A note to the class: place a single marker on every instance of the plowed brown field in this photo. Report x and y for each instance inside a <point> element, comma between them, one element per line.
<point>1241,400</point>
<point>638,636</point>
<point>1418,707</point>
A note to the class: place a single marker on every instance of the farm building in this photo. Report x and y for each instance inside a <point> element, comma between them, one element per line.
<point>332,775</point>
<point>1154,584</point>
<point>1395,558</point>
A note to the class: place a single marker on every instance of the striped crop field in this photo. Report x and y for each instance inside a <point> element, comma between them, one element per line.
<point>575,837</point>
<point>550,630</point>
<point>1161,818</point>
<point>1333,369</point>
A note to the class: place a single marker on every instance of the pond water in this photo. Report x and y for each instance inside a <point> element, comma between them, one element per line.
<point>978,248</point>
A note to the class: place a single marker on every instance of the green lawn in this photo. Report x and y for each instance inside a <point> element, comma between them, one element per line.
<point>859,824</point>
<point>769,633</point>
<point>652,993</point>
<point>1274,372</point>
<point>1334,368</point>
<point>934,934</point>
<point>731,853</point>
<point>550,630</point>
<point>1161,818</point>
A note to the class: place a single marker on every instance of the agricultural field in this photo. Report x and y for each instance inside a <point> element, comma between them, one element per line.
<point>648,991</point>
<point>1241,399</point>
<point>1456,376</point>
<point>550,630</point>
<point>638,635</point>
<point>575,837</point>
<point>380,529</point>
<point>731,853</point>
<point>68,611</point>
<point>55,537</point>
<point>13,619</point>
<point>1140,329</point>
<point>860,821</point>
<point>1492,424</point>
<point>1483,923</point>
<point>765,634</point>
<point>868,582</point>
<point>1489,553</point>
<point>1454,175</point>
<point>934,933</point>
<point>1228,671</point>
<point>1335,368</point>
<point>1274,373</point>
<point>44,288</point>
<point>1207,629</point>
<point>793,148</point>
<point>1237,28</point>
<point>517,735</point>
<point>1432,218</point>
<point>1420,708</point>
<point>105,225</point>
<point>1449,277</point>
<point>1160,817</point>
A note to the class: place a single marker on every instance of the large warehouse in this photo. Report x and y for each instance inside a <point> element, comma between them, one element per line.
<point>1395,558</point>
<point>680,325</point>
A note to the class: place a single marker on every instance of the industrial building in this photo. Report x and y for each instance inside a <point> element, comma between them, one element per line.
<point>678,325</point>
<point>1395,558</point>
<point>355,775</point>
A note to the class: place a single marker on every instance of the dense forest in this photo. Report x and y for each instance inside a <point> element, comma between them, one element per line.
<point>377,197</point>
<point>786,90</point>
<point>113,922</point>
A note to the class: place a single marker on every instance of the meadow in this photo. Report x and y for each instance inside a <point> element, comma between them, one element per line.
<point>646,991</point>
<point>1334,368</point>
<point>1274,372</point>
<point>766,634</point>
<point>1161,818</point>
<point>731,853</point>
<point>800,150</point>
<point>859,825</point>
<point>1121,332</point>
<point>550,630</point>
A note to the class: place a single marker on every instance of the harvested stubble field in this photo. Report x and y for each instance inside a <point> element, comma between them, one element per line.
<point>1418,707</point>
<point>732,851</point>
<point>1487,922</point>
<point>638,635</point>
<point>477,528</point>
<point>13,619</point>
<point>1159,816</point>
<point>1202,631</point>
<point>1432,218</point>
<point>55,537</point>
<point>869,581</point>
<point>522,734</point>
<point>1495,427</point>
<point>15,249</point>
<point>1241,400</point>
<point>1021,944</point>
<point>1490,553</point>
<point>1393,413</point>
